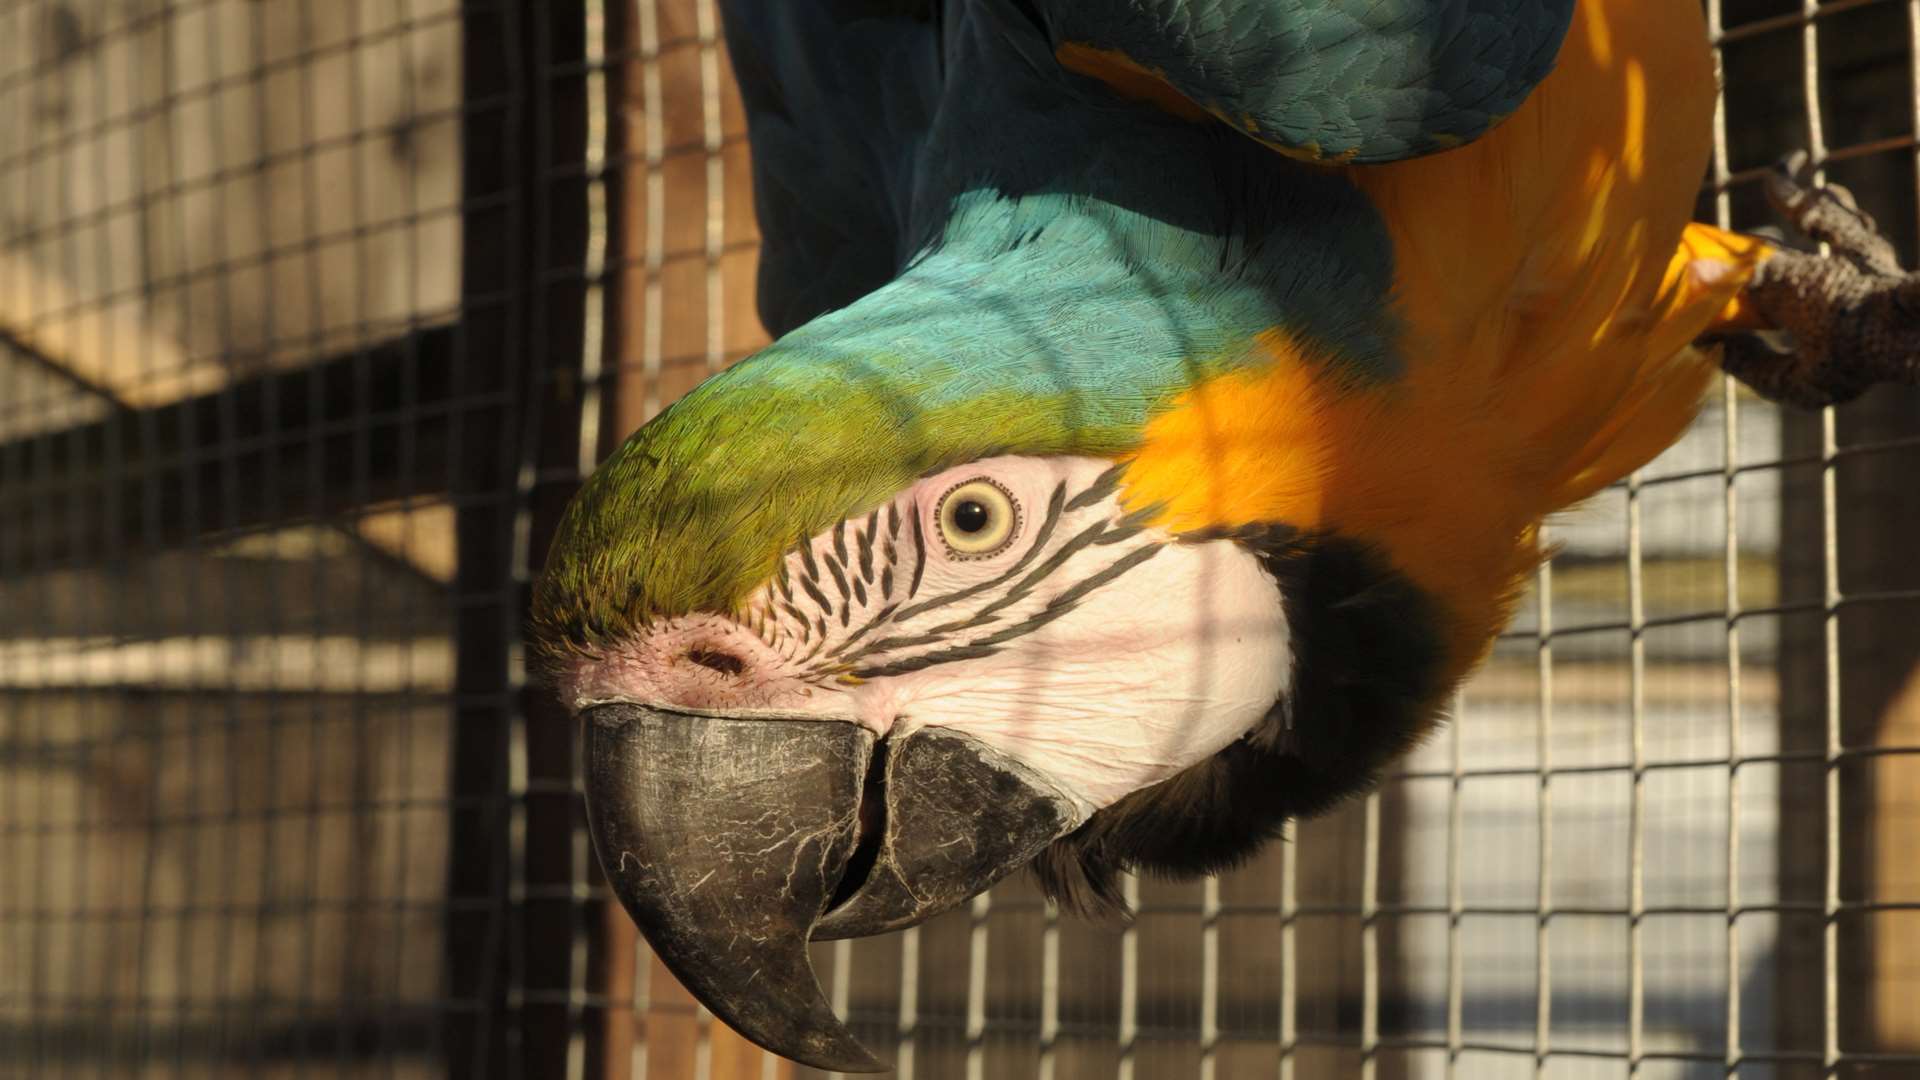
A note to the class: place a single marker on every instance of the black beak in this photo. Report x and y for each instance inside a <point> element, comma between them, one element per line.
<point>732,842</point>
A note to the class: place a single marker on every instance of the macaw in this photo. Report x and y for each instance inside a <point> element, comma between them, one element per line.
<point>1167,399</point>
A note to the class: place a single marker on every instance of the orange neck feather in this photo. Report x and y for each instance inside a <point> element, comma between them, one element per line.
<point>1549,314</point>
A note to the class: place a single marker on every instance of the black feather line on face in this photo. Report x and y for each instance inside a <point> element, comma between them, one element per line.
<point>1056,507</point>
<point>839,580</point>
<point>865,537</point>
<point>798,616</point>
<point>1085,538</point>
<point>889,644</point>
<point>1058,606</point>
<point>853,589</point>
<point>806,560</point>
<point>820,640</point>
<point>1103,485</point>
<point>919,558</point>
<point>819,597</point>
<point>926,660</point>
<point>882,616</point>
<point>1367,660</point>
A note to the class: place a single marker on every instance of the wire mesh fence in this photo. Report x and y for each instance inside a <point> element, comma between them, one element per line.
<point>313,314</point>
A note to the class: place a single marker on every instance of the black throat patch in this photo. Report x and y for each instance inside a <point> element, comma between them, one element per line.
<point>1366,686</point>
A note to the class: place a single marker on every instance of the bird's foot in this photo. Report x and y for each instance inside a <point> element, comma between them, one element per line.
<point>1854,316</point>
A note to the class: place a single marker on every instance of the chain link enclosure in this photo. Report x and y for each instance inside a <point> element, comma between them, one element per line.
<point>312,314</point>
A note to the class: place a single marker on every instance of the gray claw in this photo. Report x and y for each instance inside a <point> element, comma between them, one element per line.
<point>1829,214</point>
<point>1854,319</point>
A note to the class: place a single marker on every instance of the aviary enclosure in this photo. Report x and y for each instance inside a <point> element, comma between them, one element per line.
<point>312,315</point>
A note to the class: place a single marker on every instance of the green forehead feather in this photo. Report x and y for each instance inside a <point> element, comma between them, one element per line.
<point>1061,332</point>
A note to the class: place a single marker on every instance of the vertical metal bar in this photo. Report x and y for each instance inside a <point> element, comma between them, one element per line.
<point>1830,565</point>
<point>517,830</point>
<point>587,945</point>
<point>40,996</point>
<point>842,976</point>
<point>980,909</point>
<point>1830,570</point>
<point>192,838</point>
<point>1735,746</point>
<point>703,1044</point>
<point>709,26</point>
<point>78,828</point>
<point>909,1002</point>
<point>12,914</point>
<point>365,826</point>
<point>1289,950</point>
<point>1129,980</point>
<point>1913,66</point>
<point>310,230</point>
<point>642,1005</point>
<point>1370,942</point>
<point>593,338</point>
<point>653,315</point>
<point>1543,898</point>
<point>398,909</point>
<point>1209,975</point>
<point>523,138</point>
<point>652,330</point>
<point>1636,820</point>
<point>545,841</point>
<point>83,824</point>
<point>145,938</point>
<point>841,994</point>
<point>1722,172</point>
<point>1730,491</point>
<point>1049,990</point>
<point>1456,894</point>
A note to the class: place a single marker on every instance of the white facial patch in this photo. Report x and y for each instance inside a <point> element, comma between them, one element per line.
<point>1176,650</point>
<point>1011,599</point>
<point>1140,681</point>
<point>1106,655</point>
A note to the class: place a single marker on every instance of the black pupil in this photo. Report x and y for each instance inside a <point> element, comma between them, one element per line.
<point>970,516</point>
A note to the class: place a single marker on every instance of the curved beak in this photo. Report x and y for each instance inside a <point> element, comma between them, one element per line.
<point>732,842</point>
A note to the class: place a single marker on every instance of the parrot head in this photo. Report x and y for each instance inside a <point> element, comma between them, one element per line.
<point>887,612</point>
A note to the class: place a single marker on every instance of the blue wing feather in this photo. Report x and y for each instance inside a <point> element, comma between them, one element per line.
<point>838,96</point>
<point>1336,80</point>
<point>869,117</point>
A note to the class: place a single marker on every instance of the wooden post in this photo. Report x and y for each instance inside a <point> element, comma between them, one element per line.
<point>515,402</point>
<point>679,157</point>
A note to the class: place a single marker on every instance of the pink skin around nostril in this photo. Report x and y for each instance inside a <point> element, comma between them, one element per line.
<point>712,663</point>
<point>697,661</point>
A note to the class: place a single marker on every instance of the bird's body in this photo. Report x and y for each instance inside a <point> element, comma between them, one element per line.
<point>1168,399</point>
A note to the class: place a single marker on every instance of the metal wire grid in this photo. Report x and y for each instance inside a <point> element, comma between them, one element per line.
<point>1346,954</point>
<point>1326,957</point>
<point>271,280</point>
<point>1307,963</point>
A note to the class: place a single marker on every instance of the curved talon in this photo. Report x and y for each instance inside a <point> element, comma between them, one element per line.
<point>1829,214</point>
<point>1854,318</point>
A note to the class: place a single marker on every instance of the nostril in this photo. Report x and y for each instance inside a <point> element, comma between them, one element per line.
<point>723,662</point>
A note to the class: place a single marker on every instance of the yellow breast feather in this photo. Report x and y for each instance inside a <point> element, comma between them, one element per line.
<point>1551,291</point>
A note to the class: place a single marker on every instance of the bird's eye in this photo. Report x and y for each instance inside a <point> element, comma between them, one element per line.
<point>978,518</point>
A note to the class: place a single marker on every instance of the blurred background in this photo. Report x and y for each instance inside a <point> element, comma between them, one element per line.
<point>314,312</point>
